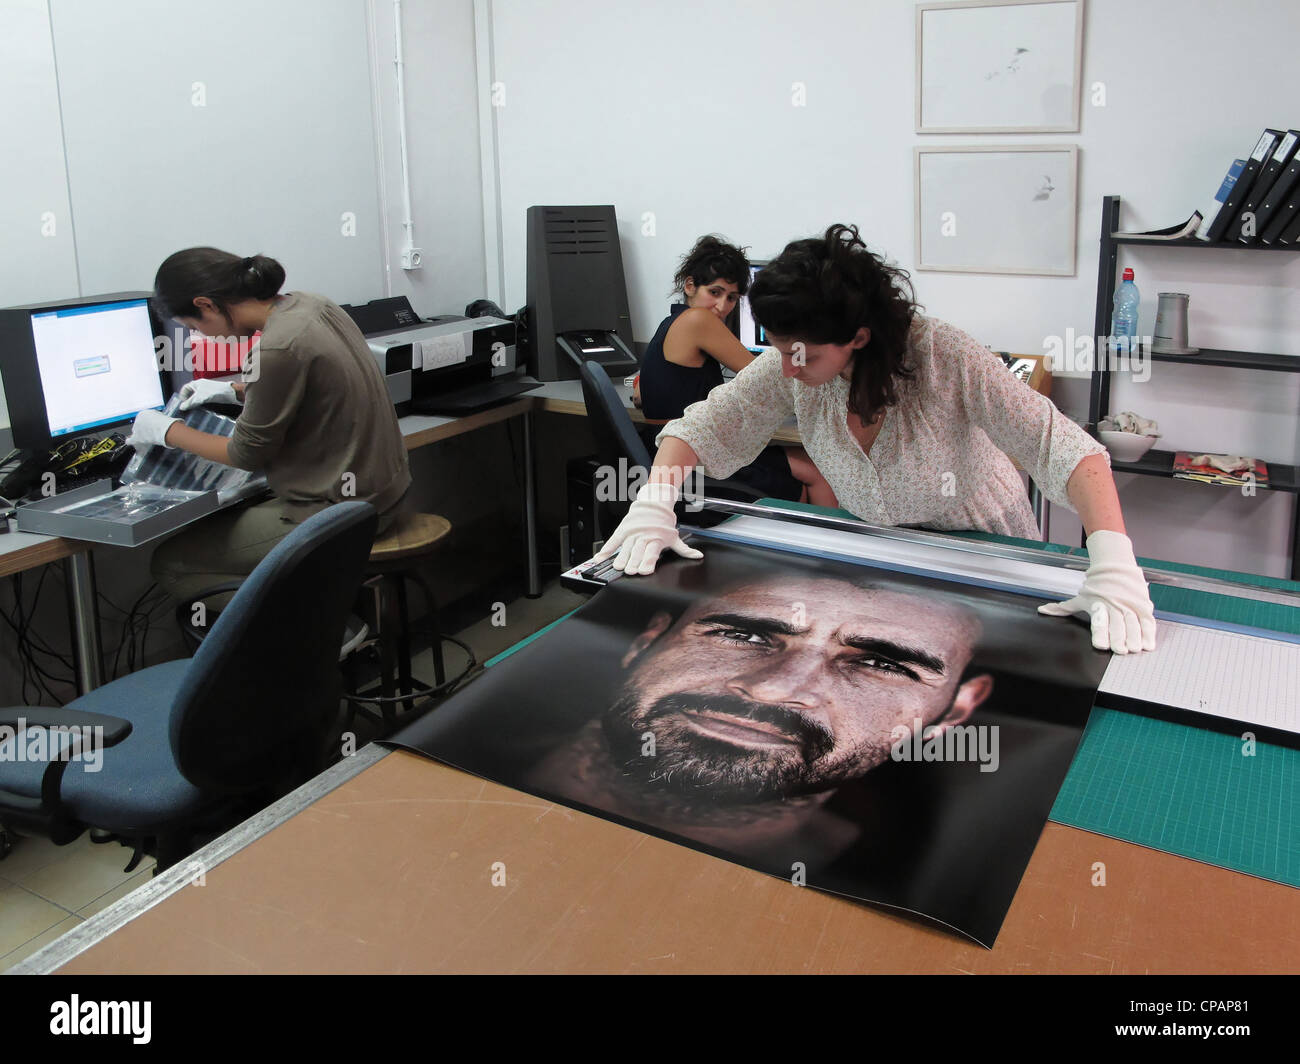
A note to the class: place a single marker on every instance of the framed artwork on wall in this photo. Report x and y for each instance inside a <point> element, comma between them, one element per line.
<point>999,66</point>
<point>997,209</point>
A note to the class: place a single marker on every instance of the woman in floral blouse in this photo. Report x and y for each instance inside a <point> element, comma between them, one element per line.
<point>910,421</point>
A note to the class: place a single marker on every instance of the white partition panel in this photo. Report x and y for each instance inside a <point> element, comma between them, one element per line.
<point>37,254</point>
<point>242,124</point>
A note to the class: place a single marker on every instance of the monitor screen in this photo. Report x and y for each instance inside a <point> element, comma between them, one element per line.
<point>97,364</point>
<point>750,332</point>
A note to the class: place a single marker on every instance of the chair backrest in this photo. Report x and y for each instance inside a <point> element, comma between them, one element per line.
<point>611,424</point>
<point>263,688</point>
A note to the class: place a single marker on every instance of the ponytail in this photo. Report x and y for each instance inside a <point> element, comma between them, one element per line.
<point>220,276</point>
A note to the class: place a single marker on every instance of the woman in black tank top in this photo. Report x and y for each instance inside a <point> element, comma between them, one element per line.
<point>683,362</point>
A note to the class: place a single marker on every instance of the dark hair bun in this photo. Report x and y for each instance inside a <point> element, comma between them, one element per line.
<point>261,277</point>
<point>223,277</point>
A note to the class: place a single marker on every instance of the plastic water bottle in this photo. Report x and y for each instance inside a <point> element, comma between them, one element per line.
<point>1124,322</point>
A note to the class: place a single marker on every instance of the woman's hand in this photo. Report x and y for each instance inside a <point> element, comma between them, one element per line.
<point>203,391</point>
<point>150,430</point>
<point>1114,596</point>
<point>649,527</point>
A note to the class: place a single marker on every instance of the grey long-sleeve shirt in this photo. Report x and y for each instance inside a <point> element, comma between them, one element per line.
<point>317,416</point>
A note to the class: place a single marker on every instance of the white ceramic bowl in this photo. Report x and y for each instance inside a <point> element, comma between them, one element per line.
<point>1126,446</point>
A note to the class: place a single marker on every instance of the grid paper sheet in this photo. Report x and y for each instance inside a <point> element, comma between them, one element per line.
<point>1227,674</point>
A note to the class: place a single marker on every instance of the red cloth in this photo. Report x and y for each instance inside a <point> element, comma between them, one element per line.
<point>215,359</point>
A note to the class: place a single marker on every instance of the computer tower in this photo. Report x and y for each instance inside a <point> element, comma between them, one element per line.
<point>591,519</point>
<point>577,293</point>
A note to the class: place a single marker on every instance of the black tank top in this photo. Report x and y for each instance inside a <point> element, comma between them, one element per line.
<point>667,388</point>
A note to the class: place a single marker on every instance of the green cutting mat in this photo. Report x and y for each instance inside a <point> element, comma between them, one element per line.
<point>1187,791</point>
<point>1177,788</point>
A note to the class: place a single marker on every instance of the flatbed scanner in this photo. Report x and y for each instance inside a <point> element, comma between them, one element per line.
<point>446,365</point>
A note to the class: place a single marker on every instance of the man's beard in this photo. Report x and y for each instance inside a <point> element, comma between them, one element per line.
<point>687,762</point>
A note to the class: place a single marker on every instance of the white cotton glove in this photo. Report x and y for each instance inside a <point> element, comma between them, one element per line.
<point>649,527</point>
<point>1114,595</point>
<point>201,392</point>
<point>150,430</point>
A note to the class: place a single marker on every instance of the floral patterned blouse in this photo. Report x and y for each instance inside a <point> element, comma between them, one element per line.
<point>941,456</point>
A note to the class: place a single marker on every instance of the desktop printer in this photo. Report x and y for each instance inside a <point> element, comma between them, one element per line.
<point>449,364</point>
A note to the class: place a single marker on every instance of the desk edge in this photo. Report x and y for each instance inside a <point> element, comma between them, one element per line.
<point>81,938</point>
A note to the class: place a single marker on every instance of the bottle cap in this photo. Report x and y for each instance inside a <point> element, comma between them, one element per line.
<point>1128,273</point>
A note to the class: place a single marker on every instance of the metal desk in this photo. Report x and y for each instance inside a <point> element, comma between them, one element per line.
<point>21,551</point>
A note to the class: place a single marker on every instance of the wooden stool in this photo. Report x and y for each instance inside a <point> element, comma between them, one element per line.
<point>394,559</point>
<point>414,536</point>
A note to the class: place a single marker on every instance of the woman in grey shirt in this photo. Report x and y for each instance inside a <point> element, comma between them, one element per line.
<point>317,418</point>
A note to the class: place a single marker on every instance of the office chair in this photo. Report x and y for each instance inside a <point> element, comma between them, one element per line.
<point>193,746</point>
<point>616,437</point>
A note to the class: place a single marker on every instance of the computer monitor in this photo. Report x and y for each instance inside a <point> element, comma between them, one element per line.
<point>750,332</point>
<point>77,365</point>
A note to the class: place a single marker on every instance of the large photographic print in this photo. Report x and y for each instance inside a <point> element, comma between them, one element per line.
<point>896,739</point>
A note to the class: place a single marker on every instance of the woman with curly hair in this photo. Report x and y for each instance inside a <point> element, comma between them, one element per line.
<point>911,421</point>
<point>683,363</point>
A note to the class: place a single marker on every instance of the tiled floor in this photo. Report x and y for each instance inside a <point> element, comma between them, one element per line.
<point>46,890</point>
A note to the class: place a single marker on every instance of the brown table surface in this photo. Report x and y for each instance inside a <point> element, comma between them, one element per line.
<point>392,872</point>
<point>36,550</point>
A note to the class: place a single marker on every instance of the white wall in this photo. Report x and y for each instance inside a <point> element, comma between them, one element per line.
<point>244,125</point>
<point>37,250</point>
<point>240,124</point>
<point>442,148</point>
<point>35,227</point>
<point>686,111</point>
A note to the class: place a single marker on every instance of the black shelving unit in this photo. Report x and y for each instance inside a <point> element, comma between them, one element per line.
<point>1161,463</point>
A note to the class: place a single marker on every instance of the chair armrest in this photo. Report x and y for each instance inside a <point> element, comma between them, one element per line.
<point>19,718</point>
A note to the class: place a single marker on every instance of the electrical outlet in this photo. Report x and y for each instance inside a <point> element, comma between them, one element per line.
<point>412,259</point>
